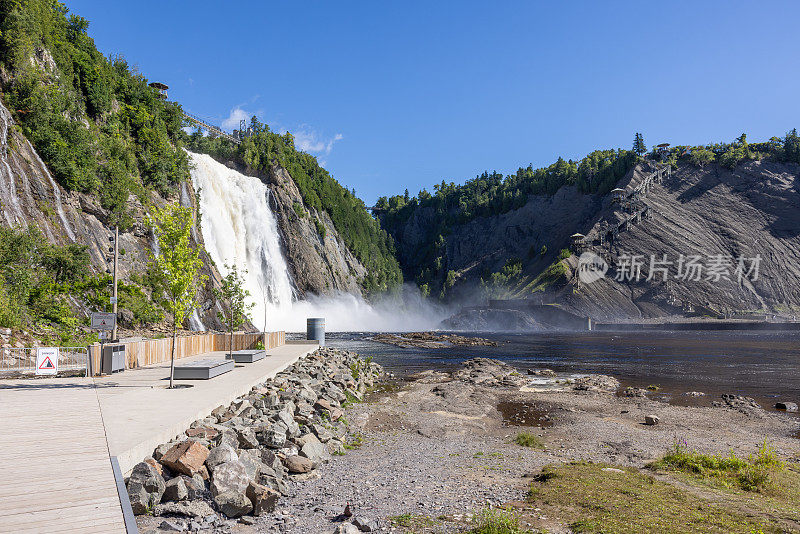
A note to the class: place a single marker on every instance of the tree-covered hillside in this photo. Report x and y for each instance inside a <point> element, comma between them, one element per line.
<point>492,194</point>
<point>362,234</point>
<point>484,196</point>
<point>94,120</point>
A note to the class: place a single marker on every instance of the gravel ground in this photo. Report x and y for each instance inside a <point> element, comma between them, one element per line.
<point>440,448</point>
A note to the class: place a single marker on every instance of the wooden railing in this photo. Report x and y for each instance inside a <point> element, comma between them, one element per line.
<point>153,351</point>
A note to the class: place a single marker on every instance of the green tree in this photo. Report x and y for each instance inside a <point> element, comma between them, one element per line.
<point>179,263</point>
<point>638,144</point>
<point>232,297</point>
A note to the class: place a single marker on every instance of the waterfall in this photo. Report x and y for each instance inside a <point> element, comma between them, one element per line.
<point>240,230</point>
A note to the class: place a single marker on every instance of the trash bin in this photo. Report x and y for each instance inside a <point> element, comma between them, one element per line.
<point>315,330</point>
<point>112,359</point>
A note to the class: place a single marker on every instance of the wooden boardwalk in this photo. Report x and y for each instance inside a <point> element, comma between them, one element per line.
<point>56,435</point>
<point>55,471</point>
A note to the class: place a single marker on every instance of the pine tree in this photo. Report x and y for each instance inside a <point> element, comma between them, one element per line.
<point>638,144</point>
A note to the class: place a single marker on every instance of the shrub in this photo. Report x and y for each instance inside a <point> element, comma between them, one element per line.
<point>497,521</point>
<point>752,474</point>
<point>528,439</point>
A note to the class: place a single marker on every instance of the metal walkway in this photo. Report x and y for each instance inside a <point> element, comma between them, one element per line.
<point>210,127</point>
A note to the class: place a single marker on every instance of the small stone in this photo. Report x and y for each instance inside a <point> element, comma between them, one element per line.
<point>233,503</point>
<point>185,508</point>
<point>247,520</point>
<point>298,464</point>
<point>651,419</point>
<point>346,528</point>
<point>170,526</point>
<point>186,457</point>
<point>365,525</point>
<point>788,406</point>
<point>176,490</point>
<point>322,404</point>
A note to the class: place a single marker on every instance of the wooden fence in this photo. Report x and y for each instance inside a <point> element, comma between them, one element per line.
<point>153,351</point>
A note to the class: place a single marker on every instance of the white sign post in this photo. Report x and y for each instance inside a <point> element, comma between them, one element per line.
<point>47,361</point>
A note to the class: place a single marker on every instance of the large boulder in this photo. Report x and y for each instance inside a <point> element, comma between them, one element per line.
<point>298,464</point>
<point>314,450</point>
<point>229,477</point>
<point>219,455</point>
<point>247,439</point>
<point>186,457</point>
<point>233,503</point>
<point>263,498</point>
<point>251,460</point>
<point>286,417</point>
<point>145,488</point>
<point>273,437</point>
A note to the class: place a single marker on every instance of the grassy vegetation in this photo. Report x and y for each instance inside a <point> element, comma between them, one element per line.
<point>593,498</point>
<point>41,286</point>
<point>412,522</point>
<point>527,439</point>
<point>752,474</point>
<point>498,521</point>
<point>92,119</point>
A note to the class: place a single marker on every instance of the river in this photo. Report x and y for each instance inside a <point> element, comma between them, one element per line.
<point>765,366</point>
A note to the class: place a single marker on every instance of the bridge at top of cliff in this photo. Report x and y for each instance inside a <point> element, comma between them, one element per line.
<point>216,130</point>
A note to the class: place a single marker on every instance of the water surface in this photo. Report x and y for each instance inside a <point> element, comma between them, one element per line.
<point>765,366</point>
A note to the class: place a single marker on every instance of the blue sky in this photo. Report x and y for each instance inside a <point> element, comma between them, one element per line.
<point>403,95</point>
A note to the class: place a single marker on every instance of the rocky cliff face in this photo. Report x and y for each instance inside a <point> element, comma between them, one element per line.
<point>30,197</point>
<point>712,213</point>
<point>319,265</point>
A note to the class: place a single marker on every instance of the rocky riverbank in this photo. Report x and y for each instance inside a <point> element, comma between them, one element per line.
<point>431,453</point>
<point>432,340</point>
<point>239,461</point>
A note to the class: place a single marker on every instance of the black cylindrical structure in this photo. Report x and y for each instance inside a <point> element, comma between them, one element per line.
<point>315,330</point>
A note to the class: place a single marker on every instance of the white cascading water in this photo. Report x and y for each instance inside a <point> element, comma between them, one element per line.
<point>240,229</point>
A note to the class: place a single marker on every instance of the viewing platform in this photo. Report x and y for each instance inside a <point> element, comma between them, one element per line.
<point>60,434</point>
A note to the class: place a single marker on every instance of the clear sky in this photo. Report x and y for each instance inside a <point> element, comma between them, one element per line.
<point>395,95</point>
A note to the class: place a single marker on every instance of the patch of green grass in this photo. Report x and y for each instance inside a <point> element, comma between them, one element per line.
<point>354,442</point>
<point>528,439</point>
<point>411,521</point>
<point>497,521</point>
<point>752,474</point>
<point>591,498</point>
<point>350,400</point>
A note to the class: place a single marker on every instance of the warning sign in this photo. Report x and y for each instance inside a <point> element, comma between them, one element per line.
<point>103,321</point>
<point>47,361</point>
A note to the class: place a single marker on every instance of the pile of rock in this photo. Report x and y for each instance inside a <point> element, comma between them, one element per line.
<point>600,383</point>
<point>740,403</point>
<point>239,459</point>
<point>488,372</point>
